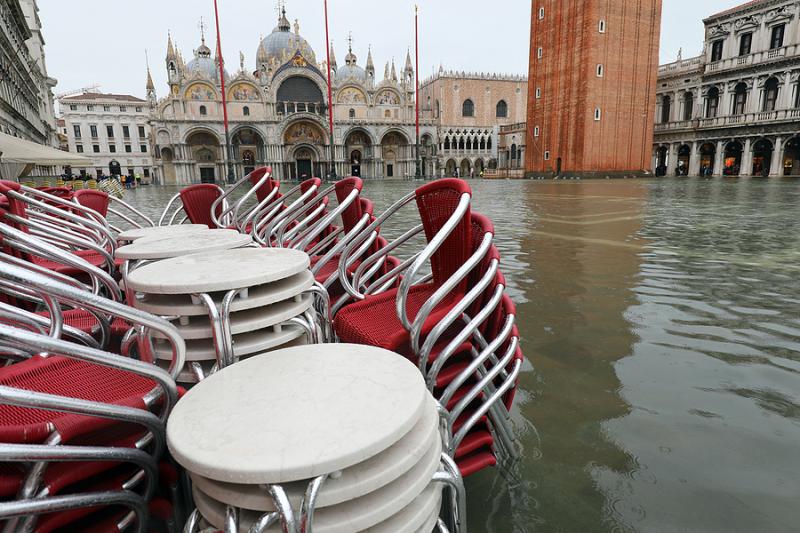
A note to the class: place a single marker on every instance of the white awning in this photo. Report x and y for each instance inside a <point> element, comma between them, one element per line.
<point>20,151</point>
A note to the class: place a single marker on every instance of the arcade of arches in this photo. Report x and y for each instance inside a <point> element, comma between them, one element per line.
<point>757,156</point>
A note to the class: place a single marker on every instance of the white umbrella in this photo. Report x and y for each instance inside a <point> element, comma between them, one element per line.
<point>18,156</point>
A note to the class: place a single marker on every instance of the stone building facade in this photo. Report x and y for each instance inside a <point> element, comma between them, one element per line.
<point>468,110</point>
<point>592,87</point>
<point>278,114</point>
<point>110,129</point>
<point>735,109</point>
<point>26,90</point>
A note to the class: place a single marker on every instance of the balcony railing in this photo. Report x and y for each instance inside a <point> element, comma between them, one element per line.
<point>683,65</point>
<point>754,58</point>
<point>789,115</point>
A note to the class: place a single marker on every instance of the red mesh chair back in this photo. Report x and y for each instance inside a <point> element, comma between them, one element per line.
<point>15,206</point>
<point>267,187</point>
<point>93,199</point>
<point>353,213</point>
<point>437,201</point>
<point>62,192</point>
<point>197,201</point>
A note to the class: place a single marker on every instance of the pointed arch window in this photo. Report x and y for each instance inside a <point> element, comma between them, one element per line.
<point>468,108</point>
<point>502,109</point>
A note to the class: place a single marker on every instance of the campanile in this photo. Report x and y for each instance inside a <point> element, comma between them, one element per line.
<point>592,87</point>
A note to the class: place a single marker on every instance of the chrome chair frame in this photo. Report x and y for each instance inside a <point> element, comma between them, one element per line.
<point>267,218</point>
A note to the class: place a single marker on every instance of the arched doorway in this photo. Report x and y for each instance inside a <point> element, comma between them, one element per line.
<point>204,150</point>
<point>248,161</point>
<point>114,168</point>
<point>450,168</point>
<point>304,159</point>
<point>466,169</point>
<point>355,163</point>
<point>394,146</point>
<point>248,150</point>
<point>707,154</point>
<point>169,167</point>
<point>479,166</point>
<point>762,158</point>
<point>791,157</point>
<point>358,146</point>
<point>733,159</point>
<point>304,141</point>
<point>684,159</point>
<point>661,161</point>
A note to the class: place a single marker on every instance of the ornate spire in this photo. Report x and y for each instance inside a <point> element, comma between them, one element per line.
<point>409,65</point>
<point>283,22</point>
<point>170,48</point>
<point>333,57</point>
<point>394,72</point>
<point>370,65</point>
<point>150,85</point>
<point>350,59</point>
<point>386,75</point>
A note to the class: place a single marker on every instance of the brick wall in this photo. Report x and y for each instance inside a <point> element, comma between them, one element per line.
<point>572,48</point>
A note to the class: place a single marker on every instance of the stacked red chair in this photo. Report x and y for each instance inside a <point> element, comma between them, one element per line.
<point>448,322</point>
<point>81,429</point>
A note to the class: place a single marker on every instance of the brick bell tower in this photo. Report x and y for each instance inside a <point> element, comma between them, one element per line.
<point>592,87</point>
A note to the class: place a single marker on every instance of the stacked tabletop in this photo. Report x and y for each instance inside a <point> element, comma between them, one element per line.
<point>355,420</point>
<point>133,235</point>
<point>226,304</point>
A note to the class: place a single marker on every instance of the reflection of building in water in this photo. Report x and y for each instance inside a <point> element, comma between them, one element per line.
<point>584,266</point>
<point>734,109</point>
<point>279,114</point>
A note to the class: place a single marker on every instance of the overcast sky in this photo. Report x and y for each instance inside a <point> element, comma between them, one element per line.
<point>103,41</point>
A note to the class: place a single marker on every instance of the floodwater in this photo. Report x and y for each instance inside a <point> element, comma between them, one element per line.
<point>661,325</point>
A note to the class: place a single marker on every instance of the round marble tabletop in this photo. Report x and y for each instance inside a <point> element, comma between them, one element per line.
<point>132,235</point>
<point>354,482</point>
<point>297,413</point>
<point>180,245</point>
<point>257,296</point>
<point>218,271</point>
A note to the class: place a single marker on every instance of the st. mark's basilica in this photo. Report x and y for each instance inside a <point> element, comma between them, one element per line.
<point>278,114</point>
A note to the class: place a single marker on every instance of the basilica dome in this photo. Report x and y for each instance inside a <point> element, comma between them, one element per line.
<point>351,70</point>
<point>204,63</point>
<point>282,44</point>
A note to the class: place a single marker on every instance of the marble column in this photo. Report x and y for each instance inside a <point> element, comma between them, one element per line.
<point>776,165</point>
<point>672,159</point>
<point>694,160</point>
<point>746,168</point>
<point>719,158</point>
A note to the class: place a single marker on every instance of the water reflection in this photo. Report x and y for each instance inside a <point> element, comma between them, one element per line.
<point>662,321</point>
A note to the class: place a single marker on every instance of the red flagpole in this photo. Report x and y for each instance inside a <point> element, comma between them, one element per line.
<point>330,95</point>
<point>231,177</point>
<point>416,80</point>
